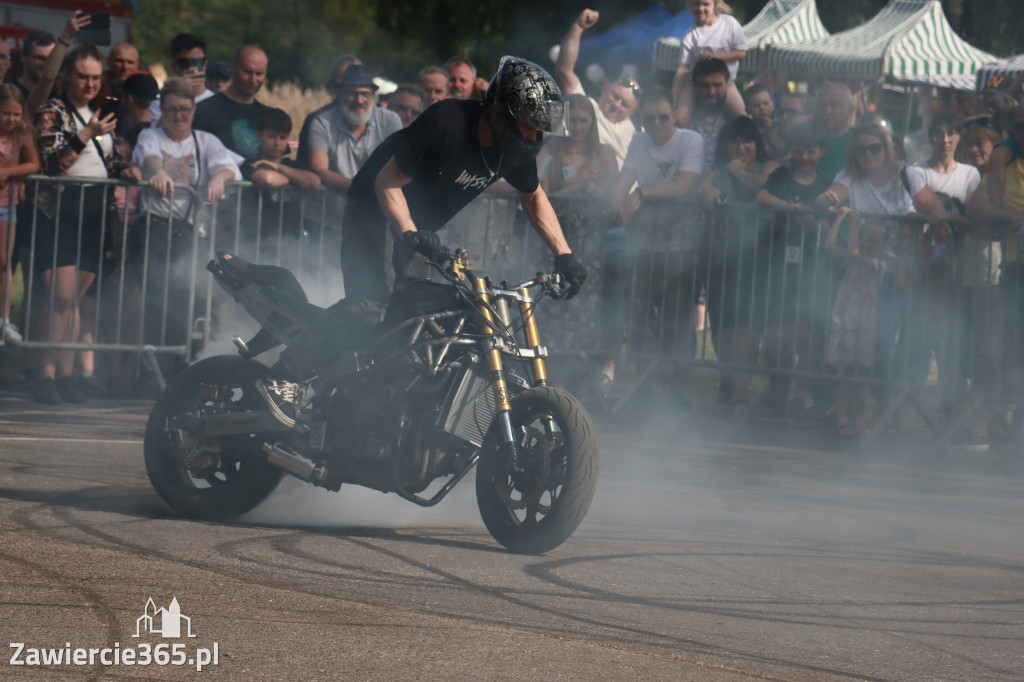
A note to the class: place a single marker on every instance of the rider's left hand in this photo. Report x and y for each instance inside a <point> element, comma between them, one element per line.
<point>572,270</point>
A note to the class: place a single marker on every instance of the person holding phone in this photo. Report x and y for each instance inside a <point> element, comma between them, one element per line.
<point>74,141</point>
<point>188,61</point>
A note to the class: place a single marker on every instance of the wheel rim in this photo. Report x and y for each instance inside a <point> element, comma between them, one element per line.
<point>530,491</point>
<point>205,464</point>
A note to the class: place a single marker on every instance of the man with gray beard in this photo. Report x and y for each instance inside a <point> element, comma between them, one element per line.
<point>341,139</point>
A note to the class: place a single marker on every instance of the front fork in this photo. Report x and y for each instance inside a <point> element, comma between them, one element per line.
<point>494,363</point>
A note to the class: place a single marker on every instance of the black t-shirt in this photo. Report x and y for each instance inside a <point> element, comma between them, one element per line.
<point>781,184</point>
<point>233,123</point>
<point>449,168</point>
<point>441,152</point>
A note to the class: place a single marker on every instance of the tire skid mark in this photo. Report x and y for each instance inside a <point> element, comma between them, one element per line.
<point>97,604</point>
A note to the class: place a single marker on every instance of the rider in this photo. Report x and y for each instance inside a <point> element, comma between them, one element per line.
<point>420,177</point>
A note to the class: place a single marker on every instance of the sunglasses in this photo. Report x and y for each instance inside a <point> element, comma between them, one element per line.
<point>651,119</point>
<point>186,63</point>
<point>632,85</point>
<point>872,149</point>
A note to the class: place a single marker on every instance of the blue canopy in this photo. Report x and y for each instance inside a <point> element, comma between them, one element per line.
<point>633,40</point>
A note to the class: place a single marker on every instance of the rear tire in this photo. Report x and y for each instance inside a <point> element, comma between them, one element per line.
<point>537,508</point>
<point>217,477</point>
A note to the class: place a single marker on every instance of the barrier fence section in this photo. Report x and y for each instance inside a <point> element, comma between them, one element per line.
<point>782,299</point>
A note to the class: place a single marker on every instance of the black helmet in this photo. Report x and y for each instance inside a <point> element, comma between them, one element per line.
<point>522,92</point>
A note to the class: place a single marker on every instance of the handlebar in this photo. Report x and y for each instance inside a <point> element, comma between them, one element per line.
<point>455,263</point>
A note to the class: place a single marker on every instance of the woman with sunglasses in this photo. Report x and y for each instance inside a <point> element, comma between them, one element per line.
<point>875,183</point>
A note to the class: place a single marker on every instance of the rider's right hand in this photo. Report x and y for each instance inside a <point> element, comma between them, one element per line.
<point>427,243</point>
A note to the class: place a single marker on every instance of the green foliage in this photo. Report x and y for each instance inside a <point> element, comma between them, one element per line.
<point>398,37</point>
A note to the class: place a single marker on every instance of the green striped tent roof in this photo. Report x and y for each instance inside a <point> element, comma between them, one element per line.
<point>782,22</point>
<point>908,40</point>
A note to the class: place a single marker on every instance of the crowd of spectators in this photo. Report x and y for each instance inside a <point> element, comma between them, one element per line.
<point>779,188</point>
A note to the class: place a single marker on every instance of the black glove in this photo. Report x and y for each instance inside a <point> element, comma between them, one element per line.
<point>572,270</point>
<point>427,243</point>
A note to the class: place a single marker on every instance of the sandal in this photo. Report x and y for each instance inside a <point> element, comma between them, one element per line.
<point>862,429</point>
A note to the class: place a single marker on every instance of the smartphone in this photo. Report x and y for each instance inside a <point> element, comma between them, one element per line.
<point>97,31</point>
<point>110,106</point>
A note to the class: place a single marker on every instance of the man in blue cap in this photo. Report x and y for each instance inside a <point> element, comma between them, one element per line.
<point>342,138</point>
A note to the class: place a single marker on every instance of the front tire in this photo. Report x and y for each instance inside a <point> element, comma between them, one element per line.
<point>217,477</point>
<point>536,507</point>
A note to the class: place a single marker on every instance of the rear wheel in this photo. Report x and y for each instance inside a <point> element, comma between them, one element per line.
<point>217,477</point>
<point>534,504</point>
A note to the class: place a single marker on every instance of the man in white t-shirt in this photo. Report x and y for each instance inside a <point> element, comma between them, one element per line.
<point>664,163</point>
<point>618,100</point>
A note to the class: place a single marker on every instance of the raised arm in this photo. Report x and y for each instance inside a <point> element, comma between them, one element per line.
<point>48,75</point>
<point>569,51</point>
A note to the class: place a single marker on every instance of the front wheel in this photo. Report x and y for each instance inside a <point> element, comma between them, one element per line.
<point>216,477</point>
<point>534,504</point>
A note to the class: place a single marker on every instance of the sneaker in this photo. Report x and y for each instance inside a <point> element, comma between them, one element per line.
<point>288,396</point>
<point>604,384</point>
<point>46,392</point>
<point>91,387</point>
<point>68,390</point>
<point>12,334</point>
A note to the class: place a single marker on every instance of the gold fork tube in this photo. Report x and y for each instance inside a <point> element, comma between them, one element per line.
<point>493,355</point>
<point>537,366</point>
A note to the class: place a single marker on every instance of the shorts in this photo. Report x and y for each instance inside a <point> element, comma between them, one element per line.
<point>70,237</point>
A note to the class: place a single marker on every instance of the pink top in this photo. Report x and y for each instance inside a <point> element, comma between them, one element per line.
<point>10,155</point>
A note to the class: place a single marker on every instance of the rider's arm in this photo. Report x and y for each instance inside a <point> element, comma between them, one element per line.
<point>540,214</point>
<point>388,186</point>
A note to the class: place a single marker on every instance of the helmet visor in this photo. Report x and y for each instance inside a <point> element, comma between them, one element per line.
<point>545,116</point>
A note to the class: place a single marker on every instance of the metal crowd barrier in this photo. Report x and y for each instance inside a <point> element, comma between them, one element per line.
<point>946,304</point>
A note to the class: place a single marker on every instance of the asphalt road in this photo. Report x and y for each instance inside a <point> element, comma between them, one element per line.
<point>708,554</point>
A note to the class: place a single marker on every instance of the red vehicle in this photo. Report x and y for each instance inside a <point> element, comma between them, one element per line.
<point>18,18</point>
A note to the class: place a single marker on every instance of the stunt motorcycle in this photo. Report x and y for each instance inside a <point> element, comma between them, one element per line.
<point>440,386</point>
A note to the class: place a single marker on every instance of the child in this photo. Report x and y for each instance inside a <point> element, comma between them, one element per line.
<point>18,156</point>
<point>761,108</point>
<point>272,169</point>
<point>799,289</point>
<point>276,217</point>
<point>714,34</point>
<point>851,342</point>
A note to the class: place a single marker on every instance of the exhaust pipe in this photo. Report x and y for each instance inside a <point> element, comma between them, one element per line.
<point>234,423</point>
<point>295,464</point>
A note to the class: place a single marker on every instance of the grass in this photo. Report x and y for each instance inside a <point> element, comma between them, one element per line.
<point>297,102</point>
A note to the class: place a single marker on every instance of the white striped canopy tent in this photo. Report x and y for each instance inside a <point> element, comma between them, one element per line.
<point>781,22</point>
<point>999,74</point>
<point>909,40</point>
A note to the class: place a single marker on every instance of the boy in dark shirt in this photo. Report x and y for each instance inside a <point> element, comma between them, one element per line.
<point>273,214</point>
<point>799,296</point>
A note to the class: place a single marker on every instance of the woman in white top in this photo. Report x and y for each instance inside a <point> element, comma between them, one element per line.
<point>183,168</point>
<point>875,183</point>
<point>75,141</point>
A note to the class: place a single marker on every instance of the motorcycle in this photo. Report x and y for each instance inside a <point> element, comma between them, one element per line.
<point>429,395</point>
